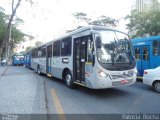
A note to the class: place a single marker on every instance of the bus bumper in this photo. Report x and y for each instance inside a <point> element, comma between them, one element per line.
<point>102,83</point>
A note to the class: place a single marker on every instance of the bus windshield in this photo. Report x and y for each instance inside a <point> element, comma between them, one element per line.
<point>115,48</point>
<point>19,57</point>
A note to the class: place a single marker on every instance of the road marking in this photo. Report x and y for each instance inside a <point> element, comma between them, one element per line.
<point>58,105</point>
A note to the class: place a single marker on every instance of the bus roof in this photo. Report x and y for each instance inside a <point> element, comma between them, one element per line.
<point>90,27</point>
<point>145,39</point>
<point>79,30</point>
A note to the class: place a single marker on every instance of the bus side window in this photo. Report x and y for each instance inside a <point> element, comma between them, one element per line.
<point>43,49</point>
<point>56,48</point>
<point>155,47</point>
<point>39,54</point>
<point>137,53</point>
<point>66,46</point>
<point>35,53</point>
<point>145,54</point>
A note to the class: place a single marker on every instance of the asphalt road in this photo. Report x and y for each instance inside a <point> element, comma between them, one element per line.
<point>22,91</point>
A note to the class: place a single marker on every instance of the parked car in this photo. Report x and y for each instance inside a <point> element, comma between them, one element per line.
<point>3,62</point>
<point>152,77</point>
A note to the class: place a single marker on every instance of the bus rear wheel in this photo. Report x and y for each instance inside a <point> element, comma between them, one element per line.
<point>69,80</point>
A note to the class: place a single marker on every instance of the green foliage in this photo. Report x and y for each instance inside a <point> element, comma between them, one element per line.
<point>144,23</point>
<point>3,18</point>
<point>28,48</point>
<point>17,21</point>
<point>102,20</point>
<point>80,15</point>
<point>17,35</point>
<point>38,43</point>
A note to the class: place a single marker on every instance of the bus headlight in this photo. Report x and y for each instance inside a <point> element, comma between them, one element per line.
<point>101,73</point>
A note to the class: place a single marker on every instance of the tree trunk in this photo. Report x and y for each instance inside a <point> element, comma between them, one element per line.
<point>6,41</point>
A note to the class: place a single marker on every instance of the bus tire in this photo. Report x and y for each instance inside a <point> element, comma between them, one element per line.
<point>39,70</point>
<point>69,80</point>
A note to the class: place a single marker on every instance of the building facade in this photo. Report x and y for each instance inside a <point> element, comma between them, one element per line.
<point>141,5</point>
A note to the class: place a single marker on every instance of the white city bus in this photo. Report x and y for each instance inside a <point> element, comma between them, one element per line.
<point>93,56</point>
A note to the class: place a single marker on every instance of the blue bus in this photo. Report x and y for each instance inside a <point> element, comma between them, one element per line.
<point>27,60</point>
<point>18,60</point>
<point>147,53</point>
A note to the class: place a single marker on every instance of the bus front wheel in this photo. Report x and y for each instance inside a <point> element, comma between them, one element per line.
<point>39,70</point>
<point>69,80</point>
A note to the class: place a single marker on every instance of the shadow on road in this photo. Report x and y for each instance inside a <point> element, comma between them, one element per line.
<point>104,93</point>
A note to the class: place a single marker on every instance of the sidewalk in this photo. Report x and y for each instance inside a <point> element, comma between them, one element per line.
<point>2,70</point>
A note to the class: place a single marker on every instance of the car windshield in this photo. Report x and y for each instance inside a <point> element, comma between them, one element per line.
<point>115,48</point>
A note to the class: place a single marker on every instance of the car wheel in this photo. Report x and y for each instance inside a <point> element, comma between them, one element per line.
<point>39,70</point>
<point>157,86</point>
<point>69,80</point>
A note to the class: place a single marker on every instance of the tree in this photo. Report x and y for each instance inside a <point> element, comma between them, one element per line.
<point>3,18</point>
<point>38,43</point>
<point>82,16</point>
<point>144,23</point>
<point>6,42</point>
<point>28,48</point>
<point>16,35</point>
<point>7,38</point>
<point>102,20</point>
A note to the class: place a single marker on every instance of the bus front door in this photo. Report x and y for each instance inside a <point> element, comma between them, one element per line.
<point>48,60</point>
<point>142,58</point>
<point>137,50</point>
<point>145,58</point>
<point>80,53</point>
